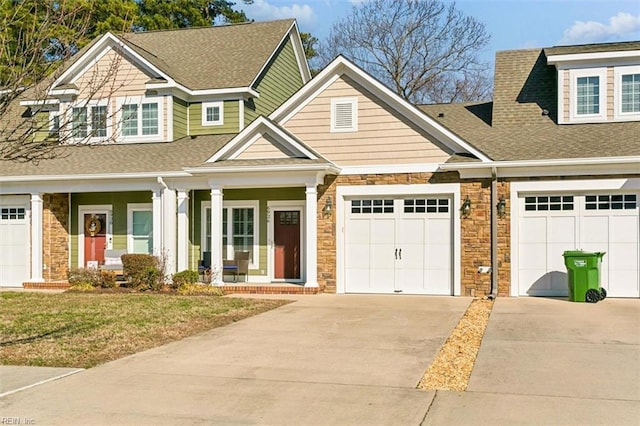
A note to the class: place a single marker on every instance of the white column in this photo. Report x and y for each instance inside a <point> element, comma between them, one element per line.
<point>36,238</point>
<point>216,234</point>
<point>169,240</point>
<point>311,242</point>
<point>183,230</point>
<point>157,222</point>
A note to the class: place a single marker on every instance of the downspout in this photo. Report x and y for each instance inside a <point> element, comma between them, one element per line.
<point>494,234</point>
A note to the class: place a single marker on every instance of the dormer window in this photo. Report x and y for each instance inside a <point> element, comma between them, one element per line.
<point>212,113</point>
<point>86,122</point>
<point>344,115</point>
<point>140,119</point>
<point>588,95</point>
<point>627,93</point>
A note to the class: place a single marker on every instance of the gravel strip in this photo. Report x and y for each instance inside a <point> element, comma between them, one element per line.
<point>452,367</point>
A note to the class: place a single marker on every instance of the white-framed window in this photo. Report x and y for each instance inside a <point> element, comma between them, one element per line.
<point>344,114</point>
<point>140,119</point>
<point>88,120</point>
<point>54,123</point>
<point>627,93</point>
<point>239,229</point>
<point>140,228</point>
<point>588,94</point>
<point>212,113</point>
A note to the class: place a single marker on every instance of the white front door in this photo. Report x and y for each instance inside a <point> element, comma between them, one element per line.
<point>596,222</point>
<point>15,253</point>
<point>401,245</point>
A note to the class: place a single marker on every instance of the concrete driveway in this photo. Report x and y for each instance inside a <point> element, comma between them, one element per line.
<point>356,360</point>
<point>322,360</point>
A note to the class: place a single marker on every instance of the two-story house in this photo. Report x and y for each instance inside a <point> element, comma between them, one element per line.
<point>563,136</point>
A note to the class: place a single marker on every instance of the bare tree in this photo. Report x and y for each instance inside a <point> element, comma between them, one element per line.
<point>424,50</point>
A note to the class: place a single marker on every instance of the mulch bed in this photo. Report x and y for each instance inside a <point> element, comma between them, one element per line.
<point>452,367</point>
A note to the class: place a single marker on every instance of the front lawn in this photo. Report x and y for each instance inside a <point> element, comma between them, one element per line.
<point>83,329</point>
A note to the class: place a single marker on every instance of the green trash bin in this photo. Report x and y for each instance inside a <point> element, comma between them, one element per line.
<point>583,270</point>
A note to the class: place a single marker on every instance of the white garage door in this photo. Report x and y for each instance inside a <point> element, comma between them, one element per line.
<point>551,224</point>
<point>14,241</point>
<point>399,245</point>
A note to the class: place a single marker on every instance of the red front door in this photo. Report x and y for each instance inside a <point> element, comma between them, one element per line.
<point>95,237</point>
<point>286,232</point>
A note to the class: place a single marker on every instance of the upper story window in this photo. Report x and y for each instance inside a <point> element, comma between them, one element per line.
<point>588,95</point>
<point>87,121</point>
<point>627,93</point>
<point>212,113</point>
<point>140,119</point>
<point>344,115</point>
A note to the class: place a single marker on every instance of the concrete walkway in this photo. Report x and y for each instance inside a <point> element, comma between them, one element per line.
<point>356,360</point>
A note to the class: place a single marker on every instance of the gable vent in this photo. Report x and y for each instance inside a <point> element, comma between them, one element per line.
<point>344,115</point>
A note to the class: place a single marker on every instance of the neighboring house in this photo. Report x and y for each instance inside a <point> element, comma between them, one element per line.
<point>345,187</point>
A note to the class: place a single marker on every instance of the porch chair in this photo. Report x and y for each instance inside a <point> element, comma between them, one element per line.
<point>239,265</point>
<point>204,265</point>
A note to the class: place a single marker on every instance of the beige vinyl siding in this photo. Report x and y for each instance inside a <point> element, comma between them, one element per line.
<point>383,137</point>
<point>118,202</point>
<point>180,128</point>
<point>566,102</point>
<point>279,80</point>
<point>262,149</point>
<point>231,122</point>
<point>263,195</point>
<point>610,93</point>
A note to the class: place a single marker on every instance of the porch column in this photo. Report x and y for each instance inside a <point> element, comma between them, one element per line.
<point>36,238</point>
<point>157,222</point>
<point>183,230</point>
<point>216,235</point>
<point>311,228</point>
<point>169,242</point>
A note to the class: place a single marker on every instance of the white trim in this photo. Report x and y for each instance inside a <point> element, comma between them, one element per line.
<point>618,72</point>
<point>216,104</point>
<point>353,103</point>
<point>183,230</point>
<point>566,186</point>
<point>241,117</point>
<point>169,100</point>
<point>289,205</point>
<point>449,189</point>
<point>139,101</point>
<point>136,207</point>
<point>36,237</point>
<point>574,74</point>
<point>575,57</point>
<point>561,100</point>
<point>106,209</point>
<point>38,103</point>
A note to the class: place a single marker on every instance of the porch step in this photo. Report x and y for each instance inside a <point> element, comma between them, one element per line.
<point>52,285</point>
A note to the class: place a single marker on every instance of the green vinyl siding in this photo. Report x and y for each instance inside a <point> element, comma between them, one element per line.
<point>118,202</point>
<point>231,122</point>
<point>279,80</point>
<point>262,196</point>
<point>180,128</point>
<point>41,126</point>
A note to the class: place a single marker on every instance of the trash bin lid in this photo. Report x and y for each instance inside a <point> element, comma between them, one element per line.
<point>581,253</point>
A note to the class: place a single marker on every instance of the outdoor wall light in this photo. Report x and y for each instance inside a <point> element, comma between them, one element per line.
<point>327,210</point>
<point>465,209</point>
<point>502,207</point>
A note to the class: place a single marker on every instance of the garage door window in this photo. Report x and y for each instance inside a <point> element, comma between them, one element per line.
<point>426,205</point>
<point>371,206</point>
<point>545,203</point>
<point>611,202</point>
<point>12,213</point>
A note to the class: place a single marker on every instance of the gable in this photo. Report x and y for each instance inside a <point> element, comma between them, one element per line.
<point>263,148</point>
<point>382,135</point>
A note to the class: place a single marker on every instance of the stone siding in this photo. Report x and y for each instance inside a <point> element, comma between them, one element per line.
<point>55,237</point>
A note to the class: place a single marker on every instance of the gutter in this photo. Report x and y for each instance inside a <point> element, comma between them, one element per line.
<point>494,234</point>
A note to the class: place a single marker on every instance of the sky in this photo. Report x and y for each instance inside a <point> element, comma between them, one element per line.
<point>512,24</point>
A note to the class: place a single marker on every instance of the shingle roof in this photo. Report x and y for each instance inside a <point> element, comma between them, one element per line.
<point>513,126</point>
<point>593,48</point>
<point>269,162</point>
<point>214,57</point>
<point>121,158</point>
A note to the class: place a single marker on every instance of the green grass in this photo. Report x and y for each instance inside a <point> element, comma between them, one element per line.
<point>87,329</point>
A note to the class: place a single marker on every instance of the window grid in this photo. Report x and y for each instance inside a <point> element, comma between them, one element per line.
<point>79,122</point>
<point>611,202</point>
<point>549,202</point>
<point>130,120</point>
<point>426,205</point>
<point>150,119</point>
<point>12,213</point>
<point>213,113</point>
<point>99,121</point>
<point>588,95</point>
<point>371,206</point>
<point>630,91</point>
<point>243,230</point>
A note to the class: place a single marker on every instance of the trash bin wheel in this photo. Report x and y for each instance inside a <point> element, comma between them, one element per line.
<point>592,296</point>
<point>603,293</point>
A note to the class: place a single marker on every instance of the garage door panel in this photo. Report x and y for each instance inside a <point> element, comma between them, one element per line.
<point>358,279</point>
<point>358,256</point>
<point>555,260</point>
<point>533,256</point>
<point>439,281</point>
<point>622,256</point>
<point>534,230</point>
<point>595,229</point>
<point>412,232</point>
<point>14,241</point>
<point>439,256</point>
<point>358,232</point>
<point>622,282</point>
<point>383,231</point>
<point>562,229</point>
<point>624,229</point>
<point>533,281</point>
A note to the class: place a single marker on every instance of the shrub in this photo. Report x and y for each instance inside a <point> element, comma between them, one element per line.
<point>80,277</point>
<point>108,279</point>
<point>142,271</point>
<point>183,278</point>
